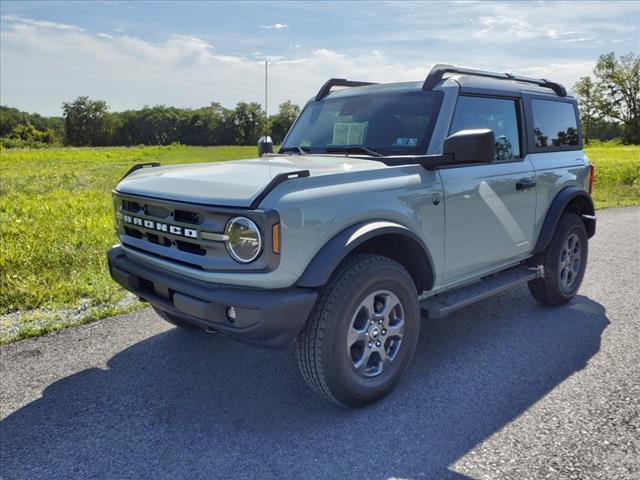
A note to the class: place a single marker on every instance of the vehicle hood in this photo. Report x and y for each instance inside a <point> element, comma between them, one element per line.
<point>233,183</point>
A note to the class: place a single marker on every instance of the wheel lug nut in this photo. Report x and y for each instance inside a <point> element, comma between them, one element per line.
<point>384,332</point>
<point>378,343</point>
<point>370,345</point>
<point>380,321</point>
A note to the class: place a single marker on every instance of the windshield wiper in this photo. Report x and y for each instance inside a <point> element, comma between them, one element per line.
<point>298,149</point>
<point>354,149</point>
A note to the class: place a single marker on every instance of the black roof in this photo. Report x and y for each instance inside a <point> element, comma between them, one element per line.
<point>471,84</point>
<point>470,80</point>
<point>500,80</point>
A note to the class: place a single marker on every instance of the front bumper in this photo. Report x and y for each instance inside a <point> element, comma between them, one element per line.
<point>270,318</point>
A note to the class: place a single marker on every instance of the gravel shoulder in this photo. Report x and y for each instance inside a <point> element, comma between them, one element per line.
<point>504,389</point>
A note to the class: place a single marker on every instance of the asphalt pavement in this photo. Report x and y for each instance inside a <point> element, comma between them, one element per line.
<point>505,389</point>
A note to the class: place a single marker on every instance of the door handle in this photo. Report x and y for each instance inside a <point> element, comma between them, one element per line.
<point>525,184</point>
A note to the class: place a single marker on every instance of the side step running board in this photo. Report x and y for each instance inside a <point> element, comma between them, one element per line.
<point>443,304</point>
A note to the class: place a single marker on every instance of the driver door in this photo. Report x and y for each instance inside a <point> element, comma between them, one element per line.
<point>490,208</point>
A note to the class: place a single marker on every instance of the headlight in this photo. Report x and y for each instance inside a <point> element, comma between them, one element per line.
<point>245,242</point>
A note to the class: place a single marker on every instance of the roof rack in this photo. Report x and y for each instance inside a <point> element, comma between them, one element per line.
<point>338,82</point>
<point>437,73</point>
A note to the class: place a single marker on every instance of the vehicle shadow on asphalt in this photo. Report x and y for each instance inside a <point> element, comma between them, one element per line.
<point>186,405</point>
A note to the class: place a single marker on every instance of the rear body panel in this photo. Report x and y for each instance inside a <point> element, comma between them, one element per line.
<point>554,172</point>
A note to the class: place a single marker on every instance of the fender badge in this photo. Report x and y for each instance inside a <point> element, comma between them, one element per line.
<point>435,199</point>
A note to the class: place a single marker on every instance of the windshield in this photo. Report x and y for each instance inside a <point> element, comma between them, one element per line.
<point>390,124</point>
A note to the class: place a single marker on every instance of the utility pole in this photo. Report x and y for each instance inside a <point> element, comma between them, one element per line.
<point>266,111</point>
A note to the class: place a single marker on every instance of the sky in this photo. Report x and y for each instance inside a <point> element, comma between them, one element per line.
<point>189,54</point>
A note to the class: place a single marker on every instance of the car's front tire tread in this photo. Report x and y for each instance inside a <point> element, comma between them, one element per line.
<point>308,345</point>
<point>310,341</point>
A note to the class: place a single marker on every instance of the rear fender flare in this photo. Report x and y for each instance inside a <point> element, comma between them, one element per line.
<point>558,207</point>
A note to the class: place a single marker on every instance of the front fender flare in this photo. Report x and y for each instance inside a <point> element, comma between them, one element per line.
<point>341,245</point>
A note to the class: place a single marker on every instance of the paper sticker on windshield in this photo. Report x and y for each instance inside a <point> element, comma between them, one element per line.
<point>405,141</point>
<point>349,133</point>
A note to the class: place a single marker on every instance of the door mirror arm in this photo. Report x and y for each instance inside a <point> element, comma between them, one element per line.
<point>429,162</point>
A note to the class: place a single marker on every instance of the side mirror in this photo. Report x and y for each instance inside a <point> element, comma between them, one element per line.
<point>265,145</point>
<point>471,146</point>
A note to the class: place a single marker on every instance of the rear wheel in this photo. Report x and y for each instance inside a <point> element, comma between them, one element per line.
<point>175,320</point>
<point>564,262</point>
<point>362,332</point>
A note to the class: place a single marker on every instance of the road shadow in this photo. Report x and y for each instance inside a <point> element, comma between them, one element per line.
<point>187,405</point>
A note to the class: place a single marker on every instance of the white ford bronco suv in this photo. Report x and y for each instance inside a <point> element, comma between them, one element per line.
<point>385,204</point>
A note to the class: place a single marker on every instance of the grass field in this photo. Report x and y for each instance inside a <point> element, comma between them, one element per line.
<point>55,226</point>
<point>617,174</point>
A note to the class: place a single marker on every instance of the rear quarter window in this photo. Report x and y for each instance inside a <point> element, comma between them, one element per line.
<point>555,125</point>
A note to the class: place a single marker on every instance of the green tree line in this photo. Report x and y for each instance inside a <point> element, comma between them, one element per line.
<point>609,107</point>
<point>87,122</point>
<point>29,129</point>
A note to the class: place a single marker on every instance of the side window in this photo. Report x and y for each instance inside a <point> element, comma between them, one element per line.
<point>554,123</point>
<point>497,114</point>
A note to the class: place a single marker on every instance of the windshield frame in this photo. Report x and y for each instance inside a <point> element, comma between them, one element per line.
<point>419,149</point>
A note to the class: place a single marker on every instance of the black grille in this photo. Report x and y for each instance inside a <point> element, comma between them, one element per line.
<point>158,240</point>
<point>155,211</point>
<point>130,206</point>
<point>132,232</point>
<point>190,247</point>
<point>187,217</point>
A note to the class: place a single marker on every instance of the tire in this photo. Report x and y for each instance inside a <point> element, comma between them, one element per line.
<point>175,320</point>
<point>333,349</point>
<point>564,262</point>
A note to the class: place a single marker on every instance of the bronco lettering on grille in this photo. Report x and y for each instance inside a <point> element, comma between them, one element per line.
<point>161,227</point>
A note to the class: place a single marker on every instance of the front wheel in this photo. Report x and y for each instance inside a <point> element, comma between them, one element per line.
<point>362,332</point>
<point>564,262</point>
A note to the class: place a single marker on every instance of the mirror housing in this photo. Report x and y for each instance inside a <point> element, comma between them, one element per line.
<point>265,145</point>
<point>471,146</point>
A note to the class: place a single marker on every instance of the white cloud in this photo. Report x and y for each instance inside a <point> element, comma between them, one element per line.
<point>46,63</point>
<point>503,24</point>
<point>193,40</point>
<point>566,73</point>
<point>325,52</point>
<point>186,71</point>
<point>578,40</point>
<point>514,28</point>
<point>41,23</point>
<point>276,26</point>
